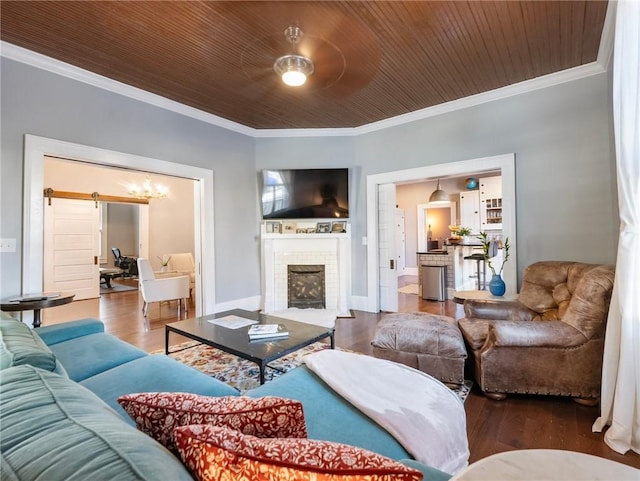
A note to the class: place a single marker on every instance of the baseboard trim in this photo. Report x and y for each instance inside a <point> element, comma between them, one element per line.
<point>359,303</point>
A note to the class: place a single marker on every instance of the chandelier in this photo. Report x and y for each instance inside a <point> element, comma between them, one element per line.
<point>148,191</point>
<point>293,68</point>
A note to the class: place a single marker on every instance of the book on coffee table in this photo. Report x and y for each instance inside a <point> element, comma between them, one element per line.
<point>267,331</point>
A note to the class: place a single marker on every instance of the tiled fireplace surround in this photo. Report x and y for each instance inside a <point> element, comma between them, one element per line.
<point>331,250</point>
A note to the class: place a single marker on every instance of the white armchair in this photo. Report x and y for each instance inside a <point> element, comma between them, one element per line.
<point>184,263</point>
<point>159,290</point>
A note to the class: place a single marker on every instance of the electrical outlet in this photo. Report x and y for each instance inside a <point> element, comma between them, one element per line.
<point>7,245</point>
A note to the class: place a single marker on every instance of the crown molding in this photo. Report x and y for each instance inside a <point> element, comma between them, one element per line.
<point>531,85</point>
<point>601,65</point>
<point>605,51</point>
<point>19,54</point>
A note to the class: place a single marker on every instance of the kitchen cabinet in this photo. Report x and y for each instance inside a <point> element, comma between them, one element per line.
<point>491,203</point>
<point>470,210</point>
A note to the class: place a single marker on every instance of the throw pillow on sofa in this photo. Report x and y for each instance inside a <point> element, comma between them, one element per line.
<point>21,345</point>
<point>55,429</point>
<point>212,452</point>
<point>157,414</point>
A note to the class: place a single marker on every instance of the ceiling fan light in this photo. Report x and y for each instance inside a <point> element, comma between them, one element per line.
<point>294,78</point>
<point>293,69</point>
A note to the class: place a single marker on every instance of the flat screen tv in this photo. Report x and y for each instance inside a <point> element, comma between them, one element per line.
<point>305,194</point>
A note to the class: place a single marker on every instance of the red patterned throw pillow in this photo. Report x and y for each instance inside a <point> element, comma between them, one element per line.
<point>158,413</point>
<point>219,454</point>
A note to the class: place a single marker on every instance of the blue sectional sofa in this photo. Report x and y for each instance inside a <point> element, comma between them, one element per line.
<point>60,418</point>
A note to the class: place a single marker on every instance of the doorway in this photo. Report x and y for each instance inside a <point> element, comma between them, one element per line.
<point>36,148</point>
<point>503,163</point>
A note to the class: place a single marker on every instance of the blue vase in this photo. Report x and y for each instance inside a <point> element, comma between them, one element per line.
<point>496,285</point>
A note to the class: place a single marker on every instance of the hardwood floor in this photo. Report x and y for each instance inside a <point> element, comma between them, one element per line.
<point>519,422</point>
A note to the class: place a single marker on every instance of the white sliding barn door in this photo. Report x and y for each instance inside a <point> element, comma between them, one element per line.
<point>387,247</point>
<point>71,248</point>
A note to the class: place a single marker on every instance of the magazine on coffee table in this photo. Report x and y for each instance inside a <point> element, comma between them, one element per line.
<point>232,322</point>
<point>267,331</point>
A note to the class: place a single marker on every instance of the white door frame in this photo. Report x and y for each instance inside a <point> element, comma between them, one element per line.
<point>421,210</point>
<point>35,149</point>
<point>505,163</point>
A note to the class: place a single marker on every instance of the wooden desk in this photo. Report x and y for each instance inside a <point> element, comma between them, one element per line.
<point>12,305</point>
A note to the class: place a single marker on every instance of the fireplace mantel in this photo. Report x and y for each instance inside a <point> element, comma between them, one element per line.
<point>333,250</point>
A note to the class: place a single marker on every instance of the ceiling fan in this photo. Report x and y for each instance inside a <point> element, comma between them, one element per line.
<point>311,61</point>
<point>293,68</point>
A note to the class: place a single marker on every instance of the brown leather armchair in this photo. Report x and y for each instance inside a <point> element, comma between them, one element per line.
<point>549,341</point>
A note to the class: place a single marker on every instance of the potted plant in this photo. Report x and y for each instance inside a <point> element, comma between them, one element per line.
<point>496,285</point>
<point>464,232</point>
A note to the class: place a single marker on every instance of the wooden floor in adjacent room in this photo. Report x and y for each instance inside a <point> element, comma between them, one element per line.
<point>519,422</point>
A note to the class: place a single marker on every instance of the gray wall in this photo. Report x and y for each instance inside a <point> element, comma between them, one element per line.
<point>122,230</point>
<point>565,170</point>
<point>566,200</point>
<point>40,103</point>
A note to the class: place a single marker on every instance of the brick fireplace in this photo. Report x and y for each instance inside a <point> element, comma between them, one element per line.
<point>309,253</point>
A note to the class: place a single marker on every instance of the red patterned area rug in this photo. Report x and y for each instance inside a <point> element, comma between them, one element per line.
<point>244,375</point>
<point>232,370</point>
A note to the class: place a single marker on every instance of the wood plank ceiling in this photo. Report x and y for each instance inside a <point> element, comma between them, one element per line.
<point>373,60</point>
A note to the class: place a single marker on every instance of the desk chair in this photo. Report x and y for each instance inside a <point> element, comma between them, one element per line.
<point>127,264</point>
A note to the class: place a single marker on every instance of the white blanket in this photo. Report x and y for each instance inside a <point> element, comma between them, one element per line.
<point>425,416</point>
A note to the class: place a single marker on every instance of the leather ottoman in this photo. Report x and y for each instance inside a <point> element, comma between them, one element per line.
<point>427,342</point>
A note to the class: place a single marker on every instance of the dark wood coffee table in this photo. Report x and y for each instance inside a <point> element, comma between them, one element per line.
<point>236,341</point>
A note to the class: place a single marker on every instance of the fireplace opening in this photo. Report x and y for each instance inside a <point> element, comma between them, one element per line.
<point>305,286</point>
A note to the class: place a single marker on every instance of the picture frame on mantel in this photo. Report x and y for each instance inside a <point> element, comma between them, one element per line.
<point>273,227</point>
<point>289,227</point>
<point>339,226</point>
<point>323,227</point>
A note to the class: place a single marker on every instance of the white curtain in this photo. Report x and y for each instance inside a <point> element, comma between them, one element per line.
<point>620,408</point>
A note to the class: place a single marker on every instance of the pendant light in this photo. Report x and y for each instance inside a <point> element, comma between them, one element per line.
<point>439,196</point>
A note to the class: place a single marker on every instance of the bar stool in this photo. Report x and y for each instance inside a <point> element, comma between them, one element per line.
<point>479,258</point>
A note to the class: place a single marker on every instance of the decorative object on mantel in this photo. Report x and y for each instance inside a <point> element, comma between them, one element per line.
<point>272,227</point>
<point>289,227</point>
<point>339,226</point>
<point>496,284</point>
<point>148,191</point>
<point>323,227</point>
<point>439,196</point>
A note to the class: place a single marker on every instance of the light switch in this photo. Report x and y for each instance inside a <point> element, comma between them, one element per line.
<point>7,245</point>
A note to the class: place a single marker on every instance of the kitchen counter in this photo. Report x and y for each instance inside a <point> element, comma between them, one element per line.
<point>461,273</point>
<point>448,248</point>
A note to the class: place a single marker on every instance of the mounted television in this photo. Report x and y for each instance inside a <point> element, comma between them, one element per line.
<point>305,193</point>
